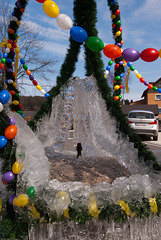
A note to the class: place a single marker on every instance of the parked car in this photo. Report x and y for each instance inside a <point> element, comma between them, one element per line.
<point>144,123</point>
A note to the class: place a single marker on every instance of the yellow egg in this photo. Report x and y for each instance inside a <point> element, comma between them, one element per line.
<point>18,23</point>
<point>51,9</point>
<point>138,75</point>
<point>20,201</point>
<point>15,102</point>
<point>160,53</point>
<point>118,33</point>
<point>14,84</point>
<point>113,16</point>
<point>38,87</point>
<point>116,87</point>
<point>17,167</point>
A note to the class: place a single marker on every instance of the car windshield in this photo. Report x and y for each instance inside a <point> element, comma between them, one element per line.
<point>142,115</point>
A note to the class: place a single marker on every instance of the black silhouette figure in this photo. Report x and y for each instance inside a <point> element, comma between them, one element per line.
<point>79,149</point>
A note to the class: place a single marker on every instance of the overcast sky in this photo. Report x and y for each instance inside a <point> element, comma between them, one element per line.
<point>141,29</point>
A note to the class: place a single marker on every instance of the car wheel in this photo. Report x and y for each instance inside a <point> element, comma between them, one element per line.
<point>155,138</point>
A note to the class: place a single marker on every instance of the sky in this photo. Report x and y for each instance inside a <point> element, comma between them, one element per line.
<point>140,21</point>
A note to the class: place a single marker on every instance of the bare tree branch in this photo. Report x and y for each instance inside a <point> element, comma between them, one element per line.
<point>31,47</point>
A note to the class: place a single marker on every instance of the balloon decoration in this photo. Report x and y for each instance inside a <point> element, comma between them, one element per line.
<point>112,51</point>
<point>95,44</point>
<point>51,8</point>
<point>149,55</point>
<point>78,34</point>
<point>40,1</point>
<point>64,22</point>
<point>130,55</point>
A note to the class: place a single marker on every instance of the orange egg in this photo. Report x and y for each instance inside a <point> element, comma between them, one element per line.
<point>10,132</point>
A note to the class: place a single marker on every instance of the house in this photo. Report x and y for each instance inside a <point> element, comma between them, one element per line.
<point>151,97</point>
<point>31,105</point>
<point>152,108</point>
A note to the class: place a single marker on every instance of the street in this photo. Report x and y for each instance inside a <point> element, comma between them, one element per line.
<point>154,146</point>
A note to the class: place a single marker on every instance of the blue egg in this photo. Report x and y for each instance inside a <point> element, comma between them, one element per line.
<point>159,90</point>
<point>0,55</point>
<point>78,34</point>
<point>22,61</point>
<point>121,75</point>
<point>3,142</point>
<point>5,55</point>
<point>108,67</point>
<point>9,60</point>
<point>47,95</point>
<point>129,64</point>
<point>4,96</point>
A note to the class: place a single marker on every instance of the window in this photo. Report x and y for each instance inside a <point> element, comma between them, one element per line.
<point>158,97</point>
<point>141,115</point>
<point>159,109</point>
<point>159,85</point>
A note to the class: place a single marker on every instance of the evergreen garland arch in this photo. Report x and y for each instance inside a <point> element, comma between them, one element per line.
<point>85,15</point>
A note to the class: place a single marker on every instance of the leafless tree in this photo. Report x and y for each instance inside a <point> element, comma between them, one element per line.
<point>31,47</point>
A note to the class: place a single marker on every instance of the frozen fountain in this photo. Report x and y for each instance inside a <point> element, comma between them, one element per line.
<point>79,115</point>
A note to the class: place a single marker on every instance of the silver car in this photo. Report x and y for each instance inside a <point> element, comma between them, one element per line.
<point>144,123</point>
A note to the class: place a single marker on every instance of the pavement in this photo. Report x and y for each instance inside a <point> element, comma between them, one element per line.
<point>154,146</point>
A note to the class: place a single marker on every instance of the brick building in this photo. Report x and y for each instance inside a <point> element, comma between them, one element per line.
<point>151,97</point>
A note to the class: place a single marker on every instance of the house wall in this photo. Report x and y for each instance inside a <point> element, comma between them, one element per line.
<point>151,99</point>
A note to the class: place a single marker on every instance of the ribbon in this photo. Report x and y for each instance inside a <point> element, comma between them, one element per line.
<point>34,212</point>
<point>127,81</point>
<point>16,65</point>
<point>153,205</point>
<point>125,207</point>
<point>4,43</point>
<point>66,213</point>
<point>92,206</point>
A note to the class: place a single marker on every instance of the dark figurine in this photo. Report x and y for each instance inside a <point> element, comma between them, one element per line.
<point>79,149</point>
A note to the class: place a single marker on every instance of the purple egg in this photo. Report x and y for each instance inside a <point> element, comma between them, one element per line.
<point>121,63</point>
<point>12,121</point>
<point>10,200</point>
<point>130,54</point>
<point>118,44</point>
<point>19,5</point>
<point>0,70</point>
<point>8,177</point>
<point>146,83</point>
<point>31,77</point>
<point>9,70</point>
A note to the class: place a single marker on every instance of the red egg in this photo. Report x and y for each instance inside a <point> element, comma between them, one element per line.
<point>149,55</point>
